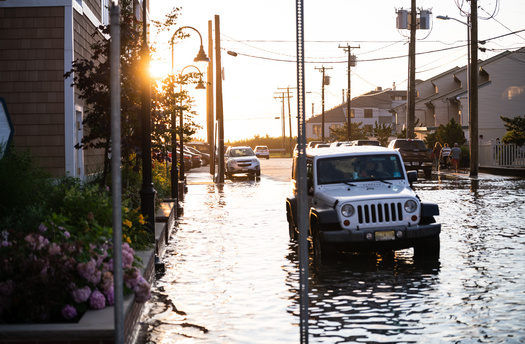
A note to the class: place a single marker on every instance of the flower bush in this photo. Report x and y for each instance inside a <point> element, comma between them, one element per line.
<point>50,275</point>
<point>56,245</point>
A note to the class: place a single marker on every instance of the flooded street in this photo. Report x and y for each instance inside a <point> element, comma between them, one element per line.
<point>232,273</point>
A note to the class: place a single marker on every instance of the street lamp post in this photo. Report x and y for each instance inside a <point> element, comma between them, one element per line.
<point>200,86</point>
<point>201,57</point>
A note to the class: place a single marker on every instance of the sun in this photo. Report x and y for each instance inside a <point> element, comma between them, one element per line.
<point>159,69</point>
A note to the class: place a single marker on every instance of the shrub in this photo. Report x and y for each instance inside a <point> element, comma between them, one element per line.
<point>56,248</point>
<point>51,275</point>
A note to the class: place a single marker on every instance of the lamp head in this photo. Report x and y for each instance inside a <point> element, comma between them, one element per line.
<point>201,56</point>
<point>200,85</point>
<point>443,17</point>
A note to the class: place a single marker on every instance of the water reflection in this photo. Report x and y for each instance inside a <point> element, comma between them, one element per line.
<point>232,274</point>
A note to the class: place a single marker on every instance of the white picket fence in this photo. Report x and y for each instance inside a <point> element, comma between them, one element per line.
<point>493,154</point>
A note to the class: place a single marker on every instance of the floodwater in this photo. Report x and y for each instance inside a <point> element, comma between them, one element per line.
<point>232,273</point>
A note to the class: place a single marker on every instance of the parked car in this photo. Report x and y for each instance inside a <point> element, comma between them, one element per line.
<point>195,159</point>
<point>416,156</point>
<point>361,200</point>
<point>322,145</point>
<point>364,143</point>
<point>203,147</point>
<point>204,156</point>
<point>312,144</point>
<point>262,152</point>
<point>338,143</point>
<point>241,160</point>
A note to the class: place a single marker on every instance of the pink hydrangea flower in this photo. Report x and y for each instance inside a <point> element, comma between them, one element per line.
<point>110,295</point>
<point>97,300</point>
<point>36,241</point>
<point>7,287</point>
<point>54,249</point>
<point>107,281</point>
<point>69,312</point>
<point>81,295</point>
<point>142,291</point>
<point>42,228</point>
<point>132,278</point>
<point>87,270</point>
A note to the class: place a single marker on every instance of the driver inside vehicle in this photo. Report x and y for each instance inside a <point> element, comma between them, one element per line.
<point>369,171</point>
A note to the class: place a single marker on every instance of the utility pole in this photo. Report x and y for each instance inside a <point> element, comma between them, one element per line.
<point>148,192</point>
<point>282,117</point>
<point>351,63</point>
<point>473,99</point>
<point>209,101</point>
<point>283,96</point>
<point>411,22</point>
<point>289,114</point>
<point>219,105</point>
<point>326,81</point>
<point>411,99</point>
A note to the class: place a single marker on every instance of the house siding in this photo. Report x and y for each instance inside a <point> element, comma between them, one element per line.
<point>83,30</point>
<point>38,45</point>
<point>31,81</point>
<point>505,96</point>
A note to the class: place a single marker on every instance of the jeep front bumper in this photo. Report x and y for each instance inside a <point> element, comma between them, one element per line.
<point>370,239</point>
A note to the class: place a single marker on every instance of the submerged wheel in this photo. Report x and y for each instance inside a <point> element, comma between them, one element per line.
<point>318,247</point>
<point>428,248</point>
<point>292,231</point>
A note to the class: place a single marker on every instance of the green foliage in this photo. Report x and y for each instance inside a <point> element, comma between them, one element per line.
<point>403,133</point>
<point>270,142</point>
<point>23,190</point>
<point>91,77</point>
<point>341,133</point>
<point>382,132</point>
<point>515,130</point>
<point>451,133</point>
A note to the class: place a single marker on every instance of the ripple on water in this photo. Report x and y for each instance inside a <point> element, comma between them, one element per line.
<point>232,275</point>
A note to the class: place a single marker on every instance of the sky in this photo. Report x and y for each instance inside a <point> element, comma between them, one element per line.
<point>263,34</point>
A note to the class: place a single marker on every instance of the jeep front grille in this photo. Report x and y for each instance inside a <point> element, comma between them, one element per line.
<point>380,212</point>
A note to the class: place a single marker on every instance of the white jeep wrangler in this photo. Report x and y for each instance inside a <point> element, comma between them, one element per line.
<point>361,200</point>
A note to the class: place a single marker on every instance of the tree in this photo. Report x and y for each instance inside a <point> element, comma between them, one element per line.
<point>340,133</point>
<point>403,133</point>
<point>515,130</point>
<point>450,133</point>
<point>166,104</point>
<point>91,77</point>
<point>382,132</point>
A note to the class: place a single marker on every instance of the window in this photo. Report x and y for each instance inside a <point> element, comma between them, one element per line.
<point>369,113</point>
<point>356,168</point>
<point>316,129</point>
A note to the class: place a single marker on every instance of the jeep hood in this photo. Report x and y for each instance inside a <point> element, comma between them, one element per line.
<point>362,192</point>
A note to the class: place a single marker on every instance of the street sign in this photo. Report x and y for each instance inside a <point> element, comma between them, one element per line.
<point>6,128</point>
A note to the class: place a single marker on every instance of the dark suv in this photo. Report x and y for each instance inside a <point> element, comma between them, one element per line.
<point>416,156</point>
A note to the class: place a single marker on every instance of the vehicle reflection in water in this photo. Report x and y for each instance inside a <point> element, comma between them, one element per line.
<point>232,274</point>
<point>370,297</point>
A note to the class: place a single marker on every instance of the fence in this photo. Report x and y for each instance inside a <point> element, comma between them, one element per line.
<point>493,154</point>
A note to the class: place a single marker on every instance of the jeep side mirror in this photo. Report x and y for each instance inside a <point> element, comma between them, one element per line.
<point>412,177</point>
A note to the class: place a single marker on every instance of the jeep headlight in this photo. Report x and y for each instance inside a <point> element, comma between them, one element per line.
<point>347,210</point>
<point>410,206</point>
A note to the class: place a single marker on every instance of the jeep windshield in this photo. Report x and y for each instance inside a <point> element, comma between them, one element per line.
<point>357,168</point>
